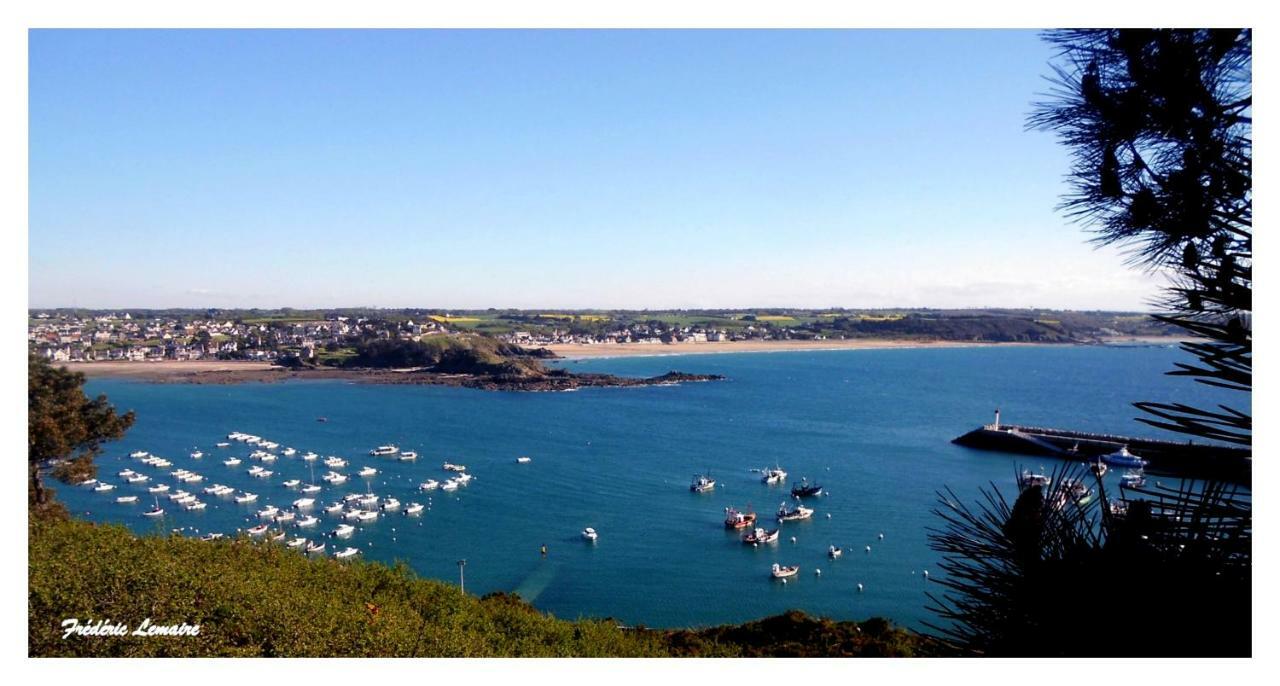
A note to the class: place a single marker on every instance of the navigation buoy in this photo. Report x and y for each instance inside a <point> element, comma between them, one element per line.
<point>817,572</point>
<point>882,536</point>
<point>926,574</point>
<point>784,582</point>
<point>793,539</point>
<point>828,515</point>
<point>868,549</point>
<point>859,588</point>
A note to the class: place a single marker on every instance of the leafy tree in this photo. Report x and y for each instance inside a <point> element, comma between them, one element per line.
<point>65,427</point>
<point>1159,124</point>
<point>1160,127</point>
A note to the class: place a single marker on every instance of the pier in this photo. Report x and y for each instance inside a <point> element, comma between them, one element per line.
<point>1187,459</point>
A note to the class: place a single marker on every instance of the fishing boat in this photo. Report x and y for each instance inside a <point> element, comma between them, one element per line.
<point>316,547</point>
<point>834,552</point>
<point>804,490</point>
<point>408,456</point>
<point>347,552</point>
<point>702,483</point>
<point>733,519</point>
<point>307,521</point>
<point>786,514</point>
<point>246,497</point>
<point>590,534</point>
<point>758,536</point>
<point>524,460</point>
<point>343,531</point>
<point>429,485</point>
<point>413,509</point>
<point>127,499</point>
<point>104,486</point>
<point>1124,458</point>
<point>773,476</point>
<point>1134,478</point>
<point>384,450</point>
<point>449,466</point>
<point>296,542</point>
<point>367,471</point>
<point>158,488</point>
<point>780,572</point>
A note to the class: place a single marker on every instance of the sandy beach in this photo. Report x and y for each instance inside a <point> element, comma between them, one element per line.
<point>175,370</point>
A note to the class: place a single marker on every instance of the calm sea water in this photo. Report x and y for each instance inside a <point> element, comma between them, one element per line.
<point>873,426</point>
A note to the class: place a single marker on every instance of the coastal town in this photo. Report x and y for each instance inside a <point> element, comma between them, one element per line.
<point>328,337</point>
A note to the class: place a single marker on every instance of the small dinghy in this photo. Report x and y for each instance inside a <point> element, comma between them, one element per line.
<point>293,483</point>
<point>127,499</point>
<point>297,542</point>
<point>222,444</point>
<point>429,485</point>
<point>367,471</point>
<point>408,456</point>
<point>138,479</point>
<point>258,530</point>
<point>524,460</point>
<point>590,534</point>
<point>285,517</point>
<point>268,511</point>
<point>316,547</point>
<point>102,487</point>
<point>413,509</point>
<point>211,537</point>
<point>780,572</point>
<point>246,497</point>
<point>307,521</point>
<point>197,455</point>
<point>343,531</point>
<point>449,466</point>
<point>125,473</point>
<point>346,552</point>
<point>311,488</point>
<point>160,488</point>
<point>87,482</point>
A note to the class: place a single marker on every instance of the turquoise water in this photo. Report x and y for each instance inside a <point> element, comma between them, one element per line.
<point>872,425</point>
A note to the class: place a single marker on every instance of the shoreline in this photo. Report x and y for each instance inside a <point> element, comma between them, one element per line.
<point>237,371</point>
<point>573,351</point>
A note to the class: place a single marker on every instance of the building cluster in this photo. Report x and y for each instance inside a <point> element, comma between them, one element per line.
<point>64,337</point>
<point>655,334</point>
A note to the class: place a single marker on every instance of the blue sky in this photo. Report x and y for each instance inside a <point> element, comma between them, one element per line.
<point>552,169</point>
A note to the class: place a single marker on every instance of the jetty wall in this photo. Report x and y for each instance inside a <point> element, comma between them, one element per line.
<point>1190,459</point>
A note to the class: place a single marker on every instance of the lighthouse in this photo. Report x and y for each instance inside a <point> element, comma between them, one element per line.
<point>996,426</point>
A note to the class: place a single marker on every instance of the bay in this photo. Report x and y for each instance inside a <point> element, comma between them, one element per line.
<point>872,426</point>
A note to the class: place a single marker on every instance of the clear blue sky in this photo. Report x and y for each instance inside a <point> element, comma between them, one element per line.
<point>551,169</point>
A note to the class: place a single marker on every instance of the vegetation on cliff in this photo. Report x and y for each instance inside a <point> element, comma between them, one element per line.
<point>258,599</point>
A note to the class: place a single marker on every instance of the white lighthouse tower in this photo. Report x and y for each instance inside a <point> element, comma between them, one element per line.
<point>996,426</point>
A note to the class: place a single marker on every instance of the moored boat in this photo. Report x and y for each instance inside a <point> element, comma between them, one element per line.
<point>834,552</point>
<point>590,534</point>
<point>804,489</point>
<point>315,547</point>
<point>124,499</point>
<point>786,514</point>
<point>759,536</point>
<point>347,552</point>
<point>702,483</point>
<point>780,572</point>
<point>773,476</point>
<point>733,519</point>
<point>408,456</point>
<point>429,485</point>
<point>1124,458</point>
<point>413,509</point>
<point>384,450</point>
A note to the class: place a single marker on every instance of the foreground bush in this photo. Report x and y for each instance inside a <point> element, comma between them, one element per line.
<point>253,599</point>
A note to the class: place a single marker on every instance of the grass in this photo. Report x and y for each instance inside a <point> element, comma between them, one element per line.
<point>261,599</point>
